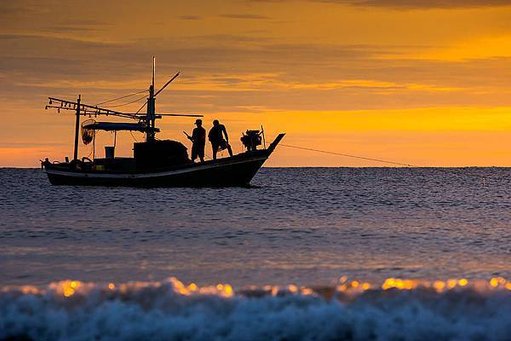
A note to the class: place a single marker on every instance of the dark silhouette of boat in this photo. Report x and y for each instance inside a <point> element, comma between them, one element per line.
<point>156,163</point>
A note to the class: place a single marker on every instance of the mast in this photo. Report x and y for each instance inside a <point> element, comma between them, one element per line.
<point>146,122</point>
<point>151,116</point>
<point>77,127</point>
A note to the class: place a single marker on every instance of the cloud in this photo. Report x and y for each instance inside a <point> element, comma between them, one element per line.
<point>421,4</point>
<point>244,16</point>
<point>405,4</point>
<point>190,17</point>
<point>12,11</point>
<point>78,26</point>
<point>235,72</point>
<point>16,7</point>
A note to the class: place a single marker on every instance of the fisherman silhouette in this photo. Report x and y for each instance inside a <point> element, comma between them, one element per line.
<point>198,139</point>
<point>216,137</point>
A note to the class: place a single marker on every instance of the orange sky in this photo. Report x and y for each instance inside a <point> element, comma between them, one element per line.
<point>420,82</point>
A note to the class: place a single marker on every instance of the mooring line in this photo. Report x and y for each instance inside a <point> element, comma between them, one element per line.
<point>349,155</point>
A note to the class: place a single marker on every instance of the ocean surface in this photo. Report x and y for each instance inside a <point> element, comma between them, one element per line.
<point>306,253</point>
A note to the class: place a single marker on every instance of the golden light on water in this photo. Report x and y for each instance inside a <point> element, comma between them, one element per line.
<point>69,288</point>
<point>307,291</point>
<point>439,286</point>
<point>451,283</point>
<point>401,284</point>
<point>345,286</point>
<point>221,289</point>
<point>29,290</point>
<point>498,281</point>
<point>292,288</point>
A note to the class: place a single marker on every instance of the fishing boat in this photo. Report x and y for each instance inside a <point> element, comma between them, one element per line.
<point>155,163</point>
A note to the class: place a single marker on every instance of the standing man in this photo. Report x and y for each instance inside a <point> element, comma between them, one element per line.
<point>198,139</point>
<point>216,137</point>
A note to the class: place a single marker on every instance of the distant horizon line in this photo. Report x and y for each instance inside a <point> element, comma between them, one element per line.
<point>354,167</point>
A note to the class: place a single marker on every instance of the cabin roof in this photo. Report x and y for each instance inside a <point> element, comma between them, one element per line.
<point>116,126</point>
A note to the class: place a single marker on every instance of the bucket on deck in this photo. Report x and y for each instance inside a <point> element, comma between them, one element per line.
<point>109,152</point>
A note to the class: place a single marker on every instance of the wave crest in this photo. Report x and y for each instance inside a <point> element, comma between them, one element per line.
<point>395,309</point>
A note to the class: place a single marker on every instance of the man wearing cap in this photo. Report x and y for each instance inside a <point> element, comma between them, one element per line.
<point>198,139</point>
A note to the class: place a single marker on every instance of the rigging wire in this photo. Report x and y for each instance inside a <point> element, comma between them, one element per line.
<point>123,104</point>
<point>118,98</point>
<point>91,152</point>
<point>133,136</point>
<point>143,105</point>
<point>349,155</point>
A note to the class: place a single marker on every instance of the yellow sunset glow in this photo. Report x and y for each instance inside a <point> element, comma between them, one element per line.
<point>426,84</point>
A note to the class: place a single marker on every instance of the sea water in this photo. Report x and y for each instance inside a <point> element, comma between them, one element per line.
<point>305,253</point>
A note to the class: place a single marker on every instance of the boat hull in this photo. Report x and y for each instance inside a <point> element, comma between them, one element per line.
<point>234,171</point>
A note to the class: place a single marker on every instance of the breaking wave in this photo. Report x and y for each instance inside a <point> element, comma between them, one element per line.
<point>170,310</point>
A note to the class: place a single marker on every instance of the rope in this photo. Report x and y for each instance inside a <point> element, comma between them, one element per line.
<point>118,98</point>
<point>133,136</point>
<point>91,152</point>
<point>143,105</point>
<point>348,155</point>
<point>121,105</point>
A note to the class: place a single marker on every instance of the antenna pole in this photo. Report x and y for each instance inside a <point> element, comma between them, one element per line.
<point>77,127</point>
<point>151,116</point>
<point>154,70</point>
